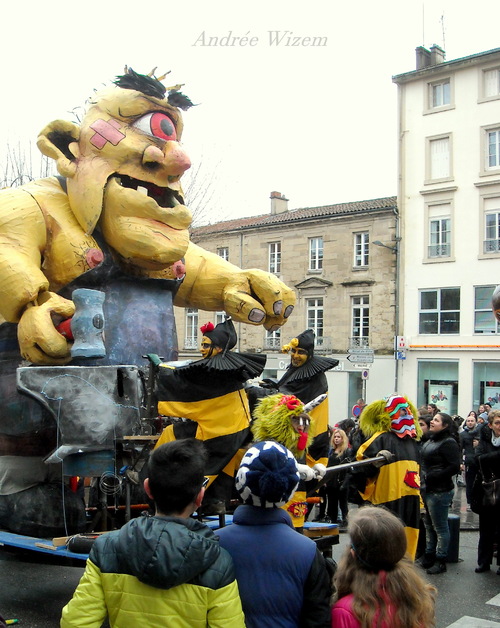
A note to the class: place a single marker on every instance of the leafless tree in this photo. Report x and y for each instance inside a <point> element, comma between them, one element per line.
<point>22,164</point>
<point>19,166</point>
<point>200,185</point>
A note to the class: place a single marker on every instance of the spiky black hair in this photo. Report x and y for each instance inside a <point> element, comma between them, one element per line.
<point>178,99</point>
<point>140,82</point>
<point>151,86</point>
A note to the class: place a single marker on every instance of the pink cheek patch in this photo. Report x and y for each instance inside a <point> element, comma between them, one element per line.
<point>106,132</point>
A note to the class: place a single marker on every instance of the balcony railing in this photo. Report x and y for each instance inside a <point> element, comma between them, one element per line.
<point>323,343</point>
<point>439,250</point>
<point>273,344</point>
<point>358,341</point>
<point>491,246</point>
<point>190,343</point>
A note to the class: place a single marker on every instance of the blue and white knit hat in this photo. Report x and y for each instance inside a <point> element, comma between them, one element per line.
<point>268,475</point>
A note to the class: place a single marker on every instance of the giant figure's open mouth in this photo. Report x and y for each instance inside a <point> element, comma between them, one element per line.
<point>164,197</point>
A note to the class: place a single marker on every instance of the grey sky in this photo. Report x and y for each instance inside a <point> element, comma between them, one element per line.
<point>313,117</point>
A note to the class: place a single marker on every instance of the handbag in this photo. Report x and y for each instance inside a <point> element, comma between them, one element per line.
<point>491,489</point>
<point>491,492</point>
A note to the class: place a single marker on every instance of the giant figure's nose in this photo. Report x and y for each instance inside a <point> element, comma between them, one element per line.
<point>169,164</point>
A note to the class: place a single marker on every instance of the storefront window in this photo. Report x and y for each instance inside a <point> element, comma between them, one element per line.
<point>438,383</point>
<point>486,384</point>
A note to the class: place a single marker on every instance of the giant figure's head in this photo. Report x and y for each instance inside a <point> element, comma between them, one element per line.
<point>123,165</point>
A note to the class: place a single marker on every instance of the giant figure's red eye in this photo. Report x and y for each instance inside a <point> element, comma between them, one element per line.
<point>157,124</point>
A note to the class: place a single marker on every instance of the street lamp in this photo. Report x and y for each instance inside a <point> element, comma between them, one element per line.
<point>391,248</point>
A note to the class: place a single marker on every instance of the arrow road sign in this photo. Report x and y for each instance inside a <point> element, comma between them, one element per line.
<point>361,358</point>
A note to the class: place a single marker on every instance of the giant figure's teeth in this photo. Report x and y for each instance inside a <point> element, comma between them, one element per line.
<point>175,201</point>
<point>142,190</point>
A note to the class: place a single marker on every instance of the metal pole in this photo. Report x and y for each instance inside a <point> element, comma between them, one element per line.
<point>383,457</point>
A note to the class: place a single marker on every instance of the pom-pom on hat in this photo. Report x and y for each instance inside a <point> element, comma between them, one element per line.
<point>268,475</point>
<point>222,335</point>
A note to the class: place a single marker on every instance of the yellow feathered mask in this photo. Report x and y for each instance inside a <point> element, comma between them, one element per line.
<point>274,420</point>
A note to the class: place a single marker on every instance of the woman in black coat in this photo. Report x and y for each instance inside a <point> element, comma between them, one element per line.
<point>488,461</point>
<point>440,462</point>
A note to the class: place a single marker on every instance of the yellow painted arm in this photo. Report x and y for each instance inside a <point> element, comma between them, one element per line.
<point>249,296</point>
<point>22,241</point>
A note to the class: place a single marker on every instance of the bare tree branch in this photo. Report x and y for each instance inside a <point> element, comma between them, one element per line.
<point>19,166</point>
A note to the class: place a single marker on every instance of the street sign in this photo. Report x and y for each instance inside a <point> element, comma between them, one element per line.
<point>365,374</point>
<point>400,343</point>
<point>361,358</point>
<point>363,350</point>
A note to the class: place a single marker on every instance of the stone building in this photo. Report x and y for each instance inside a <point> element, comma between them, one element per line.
<point>345,286</point>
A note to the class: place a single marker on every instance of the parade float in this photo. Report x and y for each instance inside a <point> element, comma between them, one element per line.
<point>92,263</point>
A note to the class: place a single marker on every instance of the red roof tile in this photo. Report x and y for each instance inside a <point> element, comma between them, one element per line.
<point>293,215</point>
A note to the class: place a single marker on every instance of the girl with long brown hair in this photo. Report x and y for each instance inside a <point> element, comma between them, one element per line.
<point>377,585</point>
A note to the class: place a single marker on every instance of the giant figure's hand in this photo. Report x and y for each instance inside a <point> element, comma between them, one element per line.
<point>259,298</point>
<point>39,342</point>
<point>248,296</point>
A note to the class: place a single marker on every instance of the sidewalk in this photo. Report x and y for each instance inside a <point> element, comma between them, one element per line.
<point>468,520</point>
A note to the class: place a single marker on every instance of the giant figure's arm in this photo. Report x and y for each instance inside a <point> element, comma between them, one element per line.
<point>24,295</point>
<point>248,296</point>
<point>22,242</point>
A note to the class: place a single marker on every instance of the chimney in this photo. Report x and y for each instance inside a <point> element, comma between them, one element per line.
<point>423,57</point>
<point>279,203</point>
<point>437,54</point>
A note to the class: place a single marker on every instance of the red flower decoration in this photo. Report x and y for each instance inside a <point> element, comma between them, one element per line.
<point>291,402</point>
<point>207,327</point>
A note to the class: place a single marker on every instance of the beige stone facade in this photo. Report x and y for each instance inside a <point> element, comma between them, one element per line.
<point>354,275</point>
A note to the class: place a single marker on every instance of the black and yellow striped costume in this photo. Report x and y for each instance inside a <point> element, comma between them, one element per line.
<point>397,484</point>
<point>308,382</point>
<point>209,393</point>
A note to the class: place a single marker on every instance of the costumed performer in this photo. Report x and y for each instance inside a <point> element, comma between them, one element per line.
<point>392,424</point>
<point>285,419</point>
<point>305,378</point>
<point>209,393</point>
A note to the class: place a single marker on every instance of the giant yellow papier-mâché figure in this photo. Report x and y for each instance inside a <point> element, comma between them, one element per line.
<point>114,220</point>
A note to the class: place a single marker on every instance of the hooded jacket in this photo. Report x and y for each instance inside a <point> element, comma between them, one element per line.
<point>157,572</point>
<point>281,574</point>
